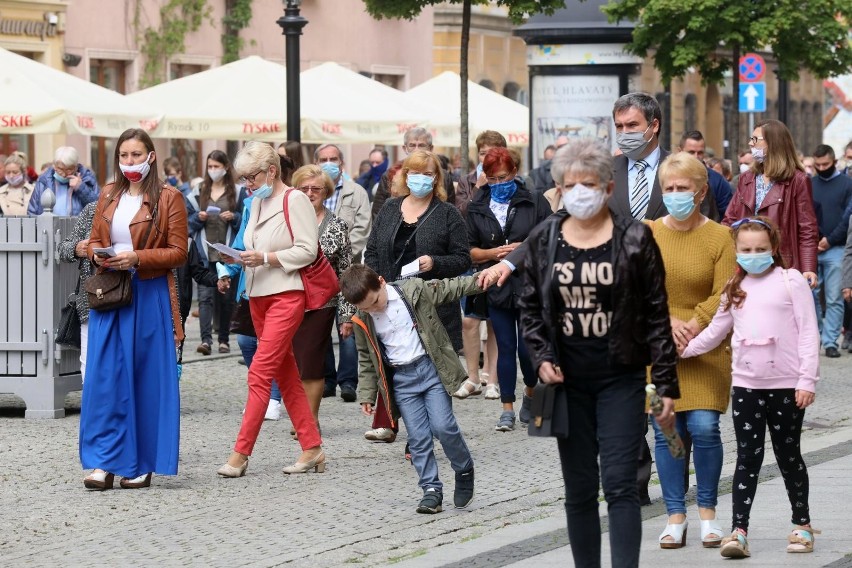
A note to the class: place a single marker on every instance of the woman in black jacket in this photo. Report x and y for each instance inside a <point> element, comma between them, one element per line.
<point>499,218</point>
<point>594,314</point>
<point>419,225</point>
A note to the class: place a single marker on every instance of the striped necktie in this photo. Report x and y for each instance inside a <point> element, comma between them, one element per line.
<point>640,196</point>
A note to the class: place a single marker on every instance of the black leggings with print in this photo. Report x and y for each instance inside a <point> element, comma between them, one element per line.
<point>753,411</point>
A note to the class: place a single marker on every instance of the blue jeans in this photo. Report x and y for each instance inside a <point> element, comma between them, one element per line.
<point>427,411</point>
<point>506,324</point>
<point>346,374</point>
<point>829,269</point>
<point>703,426</point>
<point>248,347</point>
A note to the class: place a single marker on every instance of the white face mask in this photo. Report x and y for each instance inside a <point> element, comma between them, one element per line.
<point>744,168</point>
<point>584,202</point>
<point>216,174</point>
<point>136,173</point>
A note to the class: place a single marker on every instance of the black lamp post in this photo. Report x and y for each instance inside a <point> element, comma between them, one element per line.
<point>291,25</point>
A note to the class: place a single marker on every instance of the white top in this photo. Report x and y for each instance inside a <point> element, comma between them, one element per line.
<point>396,331</point>
<point>501,211</point>
<point>119,232</point>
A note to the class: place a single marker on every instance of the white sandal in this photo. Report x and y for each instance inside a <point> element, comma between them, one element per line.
<point>708,527</point>
<point>677,532</point>
<point>464,392</point>
<point>492,392</point>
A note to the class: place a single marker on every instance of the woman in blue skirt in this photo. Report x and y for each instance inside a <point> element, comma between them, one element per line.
<point>130,415</point>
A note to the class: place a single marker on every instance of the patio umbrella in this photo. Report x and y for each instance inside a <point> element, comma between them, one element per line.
<point>37,99</point>
<point>487,110</point>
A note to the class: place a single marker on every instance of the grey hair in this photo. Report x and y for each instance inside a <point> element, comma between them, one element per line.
<point>417,133</point>
<point>324,146</point>
<point>67,156</point>
<point>647,104</point>
<point>256,156</point>
<point>582,155</point>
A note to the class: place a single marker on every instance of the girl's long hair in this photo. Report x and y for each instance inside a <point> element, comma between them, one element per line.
<point>151,185</point>
<point>733,292</point>
<point>228,180</point>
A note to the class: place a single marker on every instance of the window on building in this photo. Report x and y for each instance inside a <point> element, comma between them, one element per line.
<point>512,90</point>
<point>389,79</point>
<point>488,84</point>
<point>18,142</point>
<point>110,74</point>
<point>690,113</point>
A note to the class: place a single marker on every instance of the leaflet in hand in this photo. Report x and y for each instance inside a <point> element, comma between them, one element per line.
<point>410,269</point>
<point>108,252</point>
<point>213,210</point>
<point>225,250</point>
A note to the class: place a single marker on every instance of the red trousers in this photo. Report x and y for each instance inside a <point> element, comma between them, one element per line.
<point>276,319</point>
<point>380,416</point>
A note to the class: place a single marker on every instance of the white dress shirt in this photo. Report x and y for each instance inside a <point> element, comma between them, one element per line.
<point>653,161</point>
<point>396,331</point>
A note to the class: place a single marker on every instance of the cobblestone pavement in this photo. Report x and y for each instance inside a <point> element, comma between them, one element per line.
<point>361,511</point>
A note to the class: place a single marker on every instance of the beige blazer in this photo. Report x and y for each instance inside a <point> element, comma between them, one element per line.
<point>15,201</point>
<point>267,232</point>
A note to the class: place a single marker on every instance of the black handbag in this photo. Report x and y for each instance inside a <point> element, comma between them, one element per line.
<point>241,321</point>
<point>549,411</point>
<point>68,332</point>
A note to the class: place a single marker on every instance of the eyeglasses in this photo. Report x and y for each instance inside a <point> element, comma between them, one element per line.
<point>249,179</point>
<point>66,171</point>
<point>334,160</point>
<point>417,146</point>
<point>742,222</point>
<point>430,174</point>
<point>755,139</point>
<point>312,189</point>
<point>498,179</point>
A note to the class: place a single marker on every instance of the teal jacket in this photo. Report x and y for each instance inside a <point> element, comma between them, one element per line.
<point>422,295</point>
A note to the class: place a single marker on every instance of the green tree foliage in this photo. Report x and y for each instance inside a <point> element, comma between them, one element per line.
<point>237,17</point>
<point>705,34</point>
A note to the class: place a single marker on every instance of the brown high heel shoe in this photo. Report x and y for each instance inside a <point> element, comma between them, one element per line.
<point>136,482</point>
<point>99,480</point>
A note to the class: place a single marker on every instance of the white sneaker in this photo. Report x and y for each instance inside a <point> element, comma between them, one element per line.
<point>492,392</point>
<point>380,435</point>
<point>273,411</point>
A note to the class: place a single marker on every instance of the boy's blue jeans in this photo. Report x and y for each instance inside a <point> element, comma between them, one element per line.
<point>248,347</point>
<point>427,411</point>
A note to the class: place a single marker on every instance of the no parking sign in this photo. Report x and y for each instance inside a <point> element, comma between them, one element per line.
<point>752,68</point>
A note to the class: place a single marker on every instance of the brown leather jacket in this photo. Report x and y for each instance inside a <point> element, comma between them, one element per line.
<point>790,205</point>
<point>166,245</point>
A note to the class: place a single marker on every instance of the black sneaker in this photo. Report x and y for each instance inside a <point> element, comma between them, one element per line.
<point>348,394</point>
<point>832,352</point>
<point>431,502</point>
<point>463,494</point>
<point>525,414</point>
<point>329,392</point>
<point>847,342</point>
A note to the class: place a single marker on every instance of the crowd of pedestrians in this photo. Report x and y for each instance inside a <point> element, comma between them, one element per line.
<point>600,271</point>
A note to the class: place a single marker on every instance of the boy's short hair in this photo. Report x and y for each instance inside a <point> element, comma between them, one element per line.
<point>357,281</point>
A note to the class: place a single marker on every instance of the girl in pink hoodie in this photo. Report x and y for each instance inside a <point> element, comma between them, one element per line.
<point>775,348</point>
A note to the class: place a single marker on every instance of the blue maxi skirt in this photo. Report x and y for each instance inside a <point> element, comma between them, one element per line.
<point>130,413</point>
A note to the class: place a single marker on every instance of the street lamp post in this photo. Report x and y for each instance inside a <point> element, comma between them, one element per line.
<point>291,25</point>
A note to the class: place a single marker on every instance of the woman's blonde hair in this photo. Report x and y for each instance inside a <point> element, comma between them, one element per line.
<point>419,161</point>
<point>781,159</point>
<point>684,164</point>
<point>257,156</point>
<point>18,161</point>
<point>312,171</point>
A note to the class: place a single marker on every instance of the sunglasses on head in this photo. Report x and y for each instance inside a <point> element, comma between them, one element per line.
<point>742,222</point>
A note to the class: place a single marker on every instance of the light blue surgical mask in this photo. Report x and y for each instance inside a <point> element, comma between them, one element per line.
<point>680,204</point>
<point>504,191</point>
<point>755,263</point>
<point>419,184</point>
<point>60,178</point>
<point>478,170</point>
<point>332,169</point>
<point>263,191</point>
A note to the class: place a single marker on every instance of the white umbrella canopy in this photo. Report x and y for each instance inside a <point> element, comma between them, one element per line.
<point>37,99</point>
<point>247,100</point>
<point>487,110</point>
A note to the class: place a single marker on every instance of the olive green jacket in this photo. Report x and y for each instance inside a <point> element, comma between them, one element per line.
<point>422,296</point>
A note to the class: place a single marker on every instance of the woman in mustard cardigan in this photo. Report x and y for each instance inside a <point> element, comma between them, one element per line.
<point>699,260</point>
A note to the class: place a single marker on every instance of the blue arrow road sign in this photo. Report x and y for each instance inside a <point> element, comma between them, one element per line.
<point>753,97</point>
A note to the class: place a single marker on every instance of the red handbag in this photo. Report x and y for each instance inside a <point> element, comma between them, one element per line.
<point>318,278</point>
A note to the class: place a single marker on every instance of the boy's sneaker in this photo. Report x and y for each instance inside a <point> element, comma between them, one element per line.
<point>380,435</point>
<point>463,493</point>
<point>431,502</point>
<point>273,411</point>
<point>506,422</point>
<point>525,415</point>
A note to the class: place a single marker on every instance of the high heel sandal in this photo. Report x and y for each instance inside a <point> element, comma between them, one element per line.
<point>801,539</point>
<point>228,470</point>
<point>677,533</point>
<point>708,527</point>
<point>136,482</point>
<point>317,464</point>
<point>99,480</point>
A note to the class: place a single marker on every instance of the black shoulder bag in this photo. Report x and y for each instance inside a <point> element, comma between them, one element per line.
<point>68,332</point>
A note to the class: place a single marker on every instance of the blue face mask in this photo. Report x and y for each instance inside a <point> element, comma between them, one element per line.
<point>263,191</point>
<point>332,169</point>
<point>478,169</point>
<point>419,184</point>
<point>172,180</point>
<point>60,178</point>
<point>755,263</point>
<point>680,204</point>
<point>503,192</point>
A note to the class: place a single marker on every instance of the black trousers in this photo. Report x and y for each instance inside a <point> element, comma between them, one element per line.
<point>753,411</point>
<point>605,418</point>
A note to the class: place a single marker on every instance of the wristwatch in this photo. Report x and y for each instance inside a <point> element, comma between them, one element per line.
<point>266,260</point>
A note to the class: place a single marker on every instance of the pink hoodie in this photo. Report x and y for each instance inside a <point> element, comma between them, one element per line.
<point>776,340</point>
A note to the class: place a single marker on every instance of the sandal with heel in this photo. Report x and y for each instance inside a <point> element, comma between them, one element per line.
<point>711,527</point>
<point>677,533</point>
